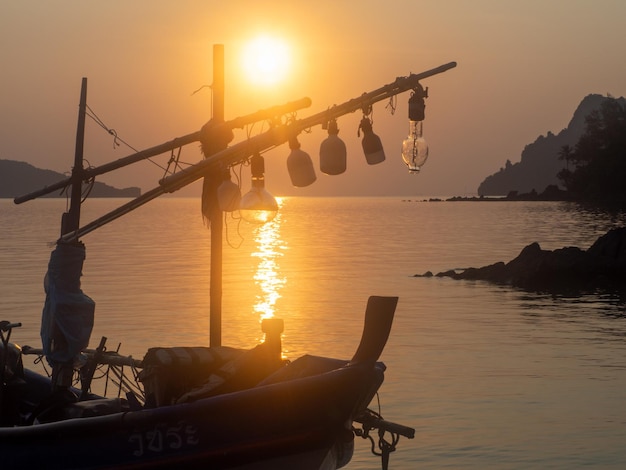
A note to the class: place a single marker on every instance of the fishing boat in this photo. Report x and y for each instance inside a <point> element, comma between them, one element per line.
<point>204,408</point>
<point>210,406</point>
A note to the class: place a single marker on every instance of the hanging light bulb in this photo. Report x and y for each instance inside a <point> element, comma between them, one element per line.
<point>300,165</point>
<point>414,147</point>
<point>258,206</point>
<point>333,151</point>
<point>372,146</point>
<point>228,193</point>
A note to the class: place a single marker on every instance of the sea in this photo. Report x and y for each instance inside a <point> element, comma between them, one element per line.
<point>489,376</point>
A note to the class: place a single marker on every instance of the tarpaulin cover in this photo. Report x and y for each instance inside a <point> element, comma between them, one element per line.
<point>68,313</point>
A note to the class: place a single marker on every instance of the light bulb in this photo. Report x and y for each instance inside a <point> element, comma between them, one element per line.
<point>228,194</point>
<point>415,148</point>
<point>372,146</point>
<point>258,206</point>
<point>333,154</point>
<point>300,166</point>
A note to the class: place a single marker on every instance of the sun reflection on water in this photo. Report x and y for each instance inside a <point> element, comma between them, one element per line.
<point>269,248</point>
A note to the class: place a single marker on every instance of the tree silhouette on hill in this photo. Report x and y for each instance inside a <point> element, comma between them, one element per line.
<point>540,163</point>
<point>596,165</point>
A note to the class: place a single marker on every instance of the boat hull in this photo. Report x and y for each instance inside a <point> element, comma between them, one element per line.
<point>304,420</point>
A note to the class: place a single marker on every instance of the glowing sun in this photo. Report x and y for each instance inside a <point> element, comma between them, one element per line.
<point>266,60</point>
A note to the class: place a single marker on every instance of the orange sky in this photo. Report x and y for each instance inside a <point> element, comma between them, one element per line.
<point>523,67</point>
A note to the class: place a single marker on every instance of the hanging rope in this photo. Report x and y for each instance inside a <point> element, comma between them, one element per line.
<point>175,161</point>
<point>391,105</point>
<point>234,215</point>
<point>371,420</point>
<point>89,184</point>
<point>203,87</point>
<point>117,140</point>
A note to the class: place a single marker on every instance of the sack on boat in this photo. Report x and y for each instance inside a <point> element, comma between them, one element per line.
<point>245,371</point>
<point>68,313</point>
<point>168,373</point>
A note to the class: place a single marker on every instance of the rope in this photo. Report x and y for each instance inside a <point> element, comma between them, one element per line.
<point>116,138</point>
<point>90,184</point>
<point>234,217</point>
<point>386,446</point>
<point>391,105</point>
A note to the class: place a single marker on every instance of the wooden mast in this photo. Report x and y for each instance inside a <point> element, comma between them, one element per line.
<point>215,301</point>
<point>62,372</point>
<point>71,220</point>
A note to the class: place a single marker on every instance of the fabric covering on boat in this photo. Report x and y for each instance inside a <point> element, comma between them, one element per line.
<point>68,313</point>
<point>168,373</point>
<point>184,374</point>
<point>243,372</point>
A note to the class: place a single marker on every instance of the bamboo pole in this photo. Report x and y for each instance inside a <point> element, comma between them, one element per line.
<point>237,123</point>
<point>215,283</point>
<point>71,219</point>
<point>280,134</point>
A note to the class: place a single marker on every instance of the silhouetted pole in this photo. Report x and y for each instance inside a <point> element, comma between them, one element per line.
<point>71,220</point>
<point>215,292</point>
<point>62,372</point>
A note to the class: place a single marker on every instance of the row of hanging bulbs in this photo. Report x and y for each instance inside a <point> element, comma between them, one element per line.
<point>259,206</point>
<point>333,154</point>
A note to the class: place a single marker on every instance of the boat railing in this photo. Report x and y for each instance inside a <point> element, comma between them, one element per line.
<point>110,358</point>
<point>5,335</point>
<point>117,374</point>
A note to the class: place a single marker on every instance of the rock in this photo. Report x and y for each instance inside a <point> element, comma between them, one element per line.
<point>611,246</point>
<point>602,266</point>
<point>426,274</point>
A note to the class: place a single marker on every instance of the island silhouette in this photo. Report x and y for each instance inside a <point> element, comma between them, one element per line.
<point>540,163</point>
<point>20,178</point>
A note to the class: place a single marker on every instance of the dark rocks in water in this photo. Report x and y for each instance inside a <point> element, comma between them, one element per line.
<point>602,266</point>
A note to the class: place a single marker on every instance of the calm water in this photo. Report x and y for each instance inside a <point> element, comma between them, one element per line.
<point>490,377</point>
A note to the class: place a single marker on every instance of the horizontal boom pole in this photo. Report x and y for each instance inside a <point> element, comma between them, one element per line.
<point>281,134</point>
<point>275,136</point>
<point>237,123</point>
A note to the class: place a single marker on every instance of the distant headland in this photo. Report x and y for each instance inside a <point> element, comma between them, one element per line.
<point>20,178</point>
<point>540,161</point>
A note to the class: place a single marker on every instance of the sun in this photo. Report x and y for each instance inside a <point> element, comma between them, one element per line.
<point>266,60</point>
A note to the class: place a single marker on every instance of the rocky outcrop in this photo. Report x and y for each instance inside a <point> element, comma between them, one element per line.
<point>540,163</point>
<point>602,266</point>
